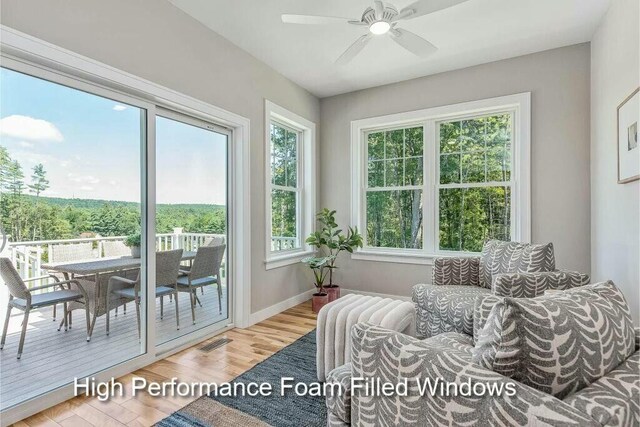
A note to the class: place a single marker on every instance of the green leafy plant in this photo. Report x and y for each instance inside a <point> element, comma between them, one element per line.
<point>320,267</point>
<point>330,241</point>
<point>133,240</point>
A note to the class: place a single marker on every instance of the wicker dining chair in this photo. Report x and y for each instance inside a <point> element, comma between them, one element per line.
<point>22,298</point>
<point>115,248</point>
<point>121,290</point>
<point>204,271</point>
<point>67,252</point>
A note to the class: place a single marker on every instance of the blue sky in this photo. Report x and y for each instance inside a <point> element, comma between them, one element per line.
<point>90,146</point>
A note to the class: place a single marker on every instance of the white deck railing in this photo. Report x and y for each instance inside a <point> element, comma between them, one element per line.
<point>29,256</point>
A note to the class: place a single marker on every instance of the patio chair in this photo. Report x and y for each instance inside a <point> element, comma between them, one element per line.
<point>204,271</point>
<point>22,298</point>
<point>117,248</point>
<point>67,252</point>
<point>213,241</point>
<point>121,290</point>
<point>208,241</point>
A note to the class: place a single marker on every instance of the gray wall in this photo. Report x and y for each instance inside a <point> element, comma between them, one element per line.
<point>615,208</point>
<point>559,82</point>
<point>155,40</point>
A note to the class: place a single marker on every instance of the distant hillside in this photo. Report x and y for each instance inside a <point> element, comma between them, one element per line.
<point>97,203</point>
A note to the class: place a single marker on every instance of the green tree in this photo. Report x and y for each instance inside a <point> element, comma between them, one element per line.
<point>15,178</point>
<point>39,181</point>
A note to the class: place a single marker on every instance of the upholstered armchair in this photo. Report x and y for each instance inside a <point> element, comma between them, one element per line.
<point>507,269</point>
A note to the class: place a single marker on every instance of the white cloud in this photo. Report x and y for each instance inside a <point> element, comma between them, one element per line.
<point>85,179</point>
<point>25,127</point>
<point>86,188</point>
<point>26,144</point>
<point>119,107</point>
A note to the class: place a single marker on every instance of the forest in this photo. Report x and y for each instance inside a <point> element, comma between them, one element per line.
<point>25,214</point>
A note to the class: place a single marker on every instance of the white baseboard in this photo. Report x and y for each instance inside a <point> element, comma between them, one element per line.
<point>374,294</point>
<point>265,313</point>
<point>278,308</point>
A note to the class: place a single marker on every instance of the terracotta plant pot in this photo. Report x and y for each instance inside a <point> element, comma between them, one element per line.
<point>318,301</point>
<point>333,292</point>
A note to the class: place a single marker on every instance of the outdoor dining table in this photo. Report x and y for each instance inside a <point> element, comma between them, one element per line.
<point>89,271</point>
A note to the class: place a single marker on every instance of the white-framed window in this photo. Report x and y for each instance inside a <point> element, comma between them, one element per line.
<point>290,185</point>
<point>441,181</point>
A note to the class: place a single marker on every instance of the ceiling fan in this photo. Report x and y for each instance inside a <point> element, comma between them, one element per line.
<point>382,19</point>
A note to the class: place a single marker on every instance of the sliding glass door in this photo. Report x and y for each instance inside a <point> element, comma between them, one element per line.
<point>71,174</point>
<point>191,216</point>
<point>86,175</point>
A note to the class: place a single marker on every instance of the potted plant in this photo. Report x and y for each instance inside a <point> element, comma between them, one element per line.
<point>320,267</point>
<point>133,241</point>
<point>330,241</point>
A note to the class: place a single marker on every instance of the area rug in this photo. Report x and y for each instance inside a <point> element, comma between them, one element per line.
<point>297,360</point>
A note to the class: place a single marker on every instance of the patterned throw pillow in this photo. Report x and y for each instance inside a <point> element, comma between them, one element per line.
<point>513,257</point>
<point>559,343</point>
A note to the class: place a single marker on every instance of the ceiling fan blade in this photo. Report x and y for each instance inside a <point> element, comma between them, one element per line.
<point>412,42</point>
<point>424,7</point>
<point>378,7</point>
<point>314,20</point>
<point>353,50</point>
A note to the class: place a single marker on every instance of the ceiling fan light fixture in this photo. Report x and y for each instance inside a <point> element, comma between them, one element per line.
<point>379,27</point>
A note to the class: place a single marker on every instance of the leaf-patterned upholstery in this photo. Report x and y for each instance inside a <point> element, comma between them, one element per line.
<point>442,309</point>
<point>558,344</point>
<point>503,268</point>
<point>340,404</point>
<point>390,356</point>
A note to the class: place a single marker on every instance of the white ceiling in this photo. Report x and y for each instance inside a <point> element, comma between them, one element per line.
<point>471,33</point>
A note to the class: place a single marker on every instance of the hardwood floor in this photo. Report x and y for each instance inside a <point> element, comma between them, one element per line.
<point>247,348</point>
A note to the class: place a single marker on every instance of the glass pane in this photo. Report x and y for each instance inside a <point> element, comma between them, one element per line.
<point>191,215</point>
<point>69,169</point>
<point>284,233</point>
<point>472,135</point>
<point>375,173</point>
<point>292,173</point>
<point>393,172</point>
<point>449,137</point>
<point>394,144</point>
<point>375,146</point>
<point>472,167</point>
<point>413,171</point>
<point>469,216</point>
<point>449,168</point>
<point>291,156</point>
<point>394,219</point>
<point>278,155</point>
<point>414,141</point>
<point>498,164</point>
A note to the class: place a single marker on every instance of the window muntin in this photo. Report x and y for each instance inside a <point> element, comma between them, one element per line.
<point>466,198</point>
<point>285,189</point>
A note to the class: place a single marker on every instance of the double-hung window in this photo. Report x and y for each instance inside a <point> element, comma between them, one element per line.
<point>443,180</point>
<point>290,185</point>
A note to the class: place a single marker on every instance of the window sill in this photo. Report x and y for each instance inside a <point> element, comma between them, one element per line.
<point>277,261</point>
<point>395,257</point>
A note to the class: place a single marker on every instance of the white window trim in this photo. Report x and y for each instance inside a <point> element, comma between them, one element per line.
<point>306,158</point>
<point>519,104</point>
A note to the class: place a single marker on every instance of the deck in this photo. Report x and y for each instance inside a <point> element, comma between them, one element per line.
<point>51,359</point>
